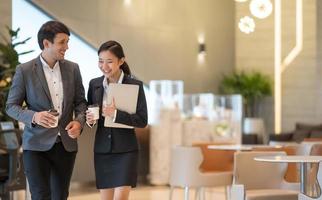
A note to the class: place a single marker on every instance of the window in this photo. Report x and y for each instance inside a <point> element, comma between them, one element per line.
<point>29,19</point>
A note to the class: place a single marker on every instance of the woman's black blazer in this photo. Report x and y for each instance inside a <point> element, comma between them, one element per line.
<point>117,140</point>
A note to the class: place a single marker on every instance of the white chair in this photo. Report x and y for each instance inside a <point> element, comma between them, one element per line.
<point>263,180</point>
<point>306,147</point>
<point>185,172</point>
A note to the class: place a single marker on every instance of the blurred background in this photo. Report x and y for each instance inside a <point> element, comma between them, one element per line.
<point>215,71</point>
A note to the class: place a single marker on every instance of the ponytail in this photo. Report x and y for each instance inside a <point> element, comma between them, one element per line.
<point>126,69</point>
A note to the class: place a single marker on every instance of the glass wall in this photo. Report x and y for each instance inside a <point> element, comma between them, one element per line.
<point>29,19</point>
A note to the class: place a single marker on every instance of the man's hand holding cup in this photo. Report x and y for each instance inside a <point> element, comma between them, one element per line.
<point>47,119</point>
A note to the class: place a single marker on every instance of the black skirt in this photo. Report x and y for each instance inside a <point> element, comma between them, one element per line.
<point>116,169</point>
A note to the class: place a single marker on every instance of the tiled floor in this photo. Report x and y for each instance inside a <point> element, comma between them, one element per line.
<point>146,193</point>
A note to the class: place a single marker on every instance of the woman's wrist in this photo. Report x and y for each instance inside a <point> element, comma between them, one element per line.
<point>91,123</point>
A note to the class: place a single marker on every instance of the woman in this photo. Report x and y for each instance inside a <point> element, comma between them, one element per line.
<point>115,149</point>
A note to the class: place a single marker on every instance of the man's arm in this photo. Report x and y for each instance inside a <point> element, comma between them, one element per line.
<point>16,98</point>
<point>79,98</point>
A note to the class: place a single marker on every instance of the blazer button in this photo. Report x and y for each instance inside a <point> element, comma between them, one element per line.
<point>109,136</point>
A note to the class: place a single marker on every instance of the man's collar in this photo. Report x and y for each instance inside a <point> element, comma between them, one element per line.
<point>45,64</point>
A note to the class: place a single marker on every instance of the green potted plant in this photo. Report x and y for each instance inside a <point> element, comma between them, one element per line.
<point>253,86</point>
<point>9,59</point>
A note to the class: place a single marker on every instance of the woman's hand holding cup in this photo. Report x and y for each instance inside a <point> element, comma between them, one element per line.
<point>92,114</point>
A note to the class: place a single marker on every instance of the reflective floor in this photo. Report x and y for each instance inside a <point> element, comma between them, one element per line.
<point>148,193</point>
<point>139,193</point>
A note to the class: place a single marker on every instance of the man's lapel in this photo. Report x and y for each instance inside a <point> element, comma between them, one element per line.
<point>42,79</point>
<point>64,77</point>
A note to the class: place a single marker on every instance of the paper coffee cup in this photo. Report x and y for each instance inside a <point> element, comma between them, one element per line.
<point>56,116</point>
<point>56,122</point>
<point>95,110</point>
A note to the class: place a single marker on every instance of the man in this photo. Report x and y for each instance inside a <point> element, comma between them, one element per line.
<point>45,83</point>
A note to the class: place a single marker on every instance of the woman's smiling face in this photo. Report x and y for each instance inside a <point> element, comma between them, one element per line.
<point>109,64</point>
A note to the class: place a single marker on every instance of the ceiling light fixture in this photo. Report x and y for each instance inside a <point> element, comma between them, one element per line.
<point>246,25</point>
<point>261,8</point>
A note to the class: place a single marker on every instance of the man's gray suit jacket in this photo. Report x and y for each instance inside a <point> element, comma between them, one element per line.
<point>29,85</point>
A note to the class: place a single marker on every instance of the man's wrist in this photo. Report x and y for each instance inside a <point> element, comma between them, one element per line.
<point>33,121</point>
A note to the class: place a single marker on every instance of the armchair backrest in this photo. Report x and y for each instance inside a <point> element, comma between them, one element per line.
<point>256,174</point>
<point>184,167</point>
<point>291,174</point>
<point>316,149</point>
<point>215,160</point>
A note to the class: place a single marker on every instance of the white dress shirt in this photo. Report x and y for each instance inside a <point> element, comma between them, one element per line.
<point>55,84</point>
<point>105,86</point>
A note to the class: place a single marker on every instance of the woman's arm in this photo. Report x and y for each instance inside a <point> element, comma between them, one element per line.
<point>89,122</point>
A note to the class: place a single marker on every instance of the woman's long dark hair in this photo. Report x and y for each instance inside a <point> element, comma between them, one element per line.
<point>117,50</point>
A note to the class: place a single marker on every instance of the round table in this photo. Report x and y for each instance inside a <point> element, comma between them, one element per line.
<point>243,147</point>
<point>231,147</point>
<point>302,160</point>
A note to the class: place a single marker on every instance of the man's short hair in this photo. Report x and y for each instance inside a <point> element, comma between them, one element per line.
<point>49,30</point>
